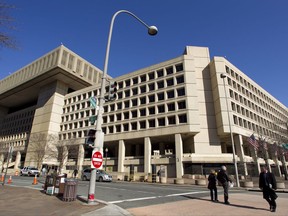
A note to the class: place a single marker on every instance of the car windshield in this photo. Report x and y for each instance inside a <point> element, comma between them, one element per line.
<point>33,168</point>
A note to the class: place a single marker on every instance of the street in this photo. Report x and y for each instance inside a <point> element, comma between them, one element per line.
<point>138,194</point>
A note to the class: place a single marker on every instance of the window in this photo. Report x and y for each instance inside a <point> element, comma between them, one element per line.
<point>120,85</point>
<point>143,78</point>
<point>181,92</point>
<point>160,84</point>
<point>126,127</point>
<point>142,112</point>
<point>161,108</point>
<point>171,120</point>
<point>169,70</point>
<point>143,89</point>
<point>171,107</point>
<point>111,117</point>
<point>118,116</point>
<point>179,67</point>
<point>151,98</point>
<point>110,129</point>
<point>142,124</point>
<point>181,105</point>
<point>161,121</point>
<point>143,100</point>
<point>126,104</point>
<point>180,79</point>
<point>134,113</point>
<point>151,123</point>
<point>135,91</point>
<point>126,115</point>
<point>127,93</point>
<point>135,80</point>
<point>160,73</point>
<point>170,82</point>
<point>151,110</point>
<point>119,105</point>
<point>151,86</point>
<point>120,95</point>
<point>160,96</point>
<point>170,94</point>
<point>134,125</point>
<point>135,102</point>
<point>127,83</point>
<point>151,76</point>
<point>118,128</point>
<point>182,118</point>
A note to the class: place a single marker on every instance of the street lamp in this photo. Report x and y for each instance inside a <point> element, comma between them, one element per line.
<point>223,76</point>
<point>106,151</point>
<point>152,30</point>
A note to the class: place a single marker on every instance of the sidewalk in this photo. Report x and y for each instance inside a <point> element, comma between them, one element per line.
<point>23,201</point>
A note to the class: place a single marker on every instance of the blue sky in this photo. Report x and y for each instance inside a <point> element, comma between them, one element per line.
<point>251,34</point>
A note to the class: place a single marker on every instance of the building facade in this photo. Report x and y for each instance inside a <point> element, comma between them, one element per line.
<point>173,114</point>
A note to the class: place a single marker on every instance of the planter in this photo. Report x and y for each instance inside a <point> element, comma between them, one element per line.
<point>178,181</point>
<point>200,181</point>
<point>246,184</point>
<point>280,185</point>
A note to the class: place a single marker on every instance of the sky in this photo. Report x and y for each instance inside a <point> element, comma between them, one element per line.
<point>251,34</point>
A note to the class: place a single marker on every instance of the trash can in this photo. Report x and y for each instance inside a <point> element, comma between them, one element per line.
<point>70,190</point>
<point>59,185</point>
<point>49,185</point>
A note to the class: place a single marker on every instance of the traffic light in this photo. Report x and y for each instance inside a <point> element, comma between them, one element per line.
<point>90,137</point>
<point>112,91</point>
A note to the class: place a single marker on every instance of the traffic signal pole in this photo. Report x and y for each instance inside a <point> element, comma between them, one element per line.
<point>99,139</point>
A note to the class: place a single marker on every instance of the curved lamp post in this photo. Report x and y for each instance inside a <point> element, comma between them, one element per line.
<point>223,76</point>
<point>152,30</point>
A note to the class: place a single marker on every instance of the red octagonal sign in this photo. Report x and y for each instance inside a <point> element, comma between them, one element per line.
<point>97,159</point>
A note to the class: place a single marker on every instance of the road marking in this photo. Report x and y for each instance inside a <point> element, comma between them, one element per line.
<point>154,197</point>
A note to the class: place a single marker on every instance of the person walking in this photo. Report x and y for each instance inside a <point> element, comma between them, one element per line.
<point>75,172</point>
<point>224,179</point>
<point>44,172</point>
<point>267,183</point>
<point>212,186</point>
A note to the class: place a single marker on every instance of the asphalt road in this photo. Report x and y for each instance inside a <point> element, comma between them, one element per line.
<point>136,194</point>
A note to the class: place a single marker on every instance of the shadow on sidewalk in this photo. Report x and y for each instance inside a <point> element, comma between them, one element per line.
<point>234,205</point>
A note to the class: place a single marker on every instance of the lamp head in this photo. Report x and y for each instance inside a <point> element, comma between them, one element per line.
<point>152,30</point>
<point>223,76</point>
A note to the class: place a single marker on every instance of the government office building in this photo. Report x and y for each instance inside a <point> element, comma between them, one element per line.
<point>173,114</point>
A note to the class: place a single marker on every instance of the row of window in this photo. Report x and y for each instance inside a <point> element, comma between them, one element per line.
<point>124,115</point>
<point>254,90</point>
<point>137,80</point>
<point>132,126</point>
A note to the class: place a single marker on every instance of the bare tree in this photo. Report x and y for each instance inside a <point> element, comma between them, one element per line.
<point>6,25</point>
<point>42,147</point>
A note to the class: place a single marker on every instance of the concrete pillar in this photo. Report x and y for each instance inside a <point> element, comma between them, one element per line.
<point>80,160</point>
<point>179,155</point>
<point>1,162</point>
<point>240,152</point>
<point>17,161</point>
<point>147,155</point>
<point>121,156</point>
<point>278,170</point>
<point>255,158</point>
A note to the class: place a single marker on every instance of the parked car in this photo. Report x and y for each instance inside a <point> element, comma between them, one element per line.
<point>29,171</point>
<point>101,175</point>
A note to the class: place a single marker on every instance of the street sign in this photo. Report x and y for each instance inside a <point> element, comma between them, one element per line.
<point>93,101</point>
<point>97,160</point>
<point>92,119</point>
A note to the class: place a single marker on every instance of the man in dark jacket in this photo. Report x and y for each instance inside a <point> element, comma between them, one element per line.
<point>267,183</point>
<point>224,179</point>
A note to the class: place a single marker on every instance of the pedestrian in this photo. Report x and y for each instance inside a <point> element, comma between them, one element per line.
<point>75,172</point>
<point>224,179</point>
<point>212,186</point>
<point>44,172</point>
<point>267,183</point>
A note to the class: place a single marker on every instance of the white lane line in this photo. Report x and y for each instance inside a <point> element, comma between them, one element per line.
<point>154,197</point>
<point>113,188</point>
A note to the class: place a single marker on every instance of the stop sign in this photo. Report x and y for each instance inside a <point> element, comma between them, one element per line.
<point>97,159</point>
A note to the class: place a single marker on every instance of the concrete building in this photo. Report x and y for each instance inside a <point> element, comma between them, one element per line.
<point>172,114</point>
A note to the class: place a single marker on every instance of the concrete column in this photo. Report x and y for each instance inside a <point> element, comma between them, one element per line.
<point>179,155</point>
<point>255,158</point>
<point>80,160</point>
<point>147,155</point>
<point>17,161</point>
<point>121,156</point>
<point>278,170</point>
<point>240,152</point>
<point>1,162</point>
